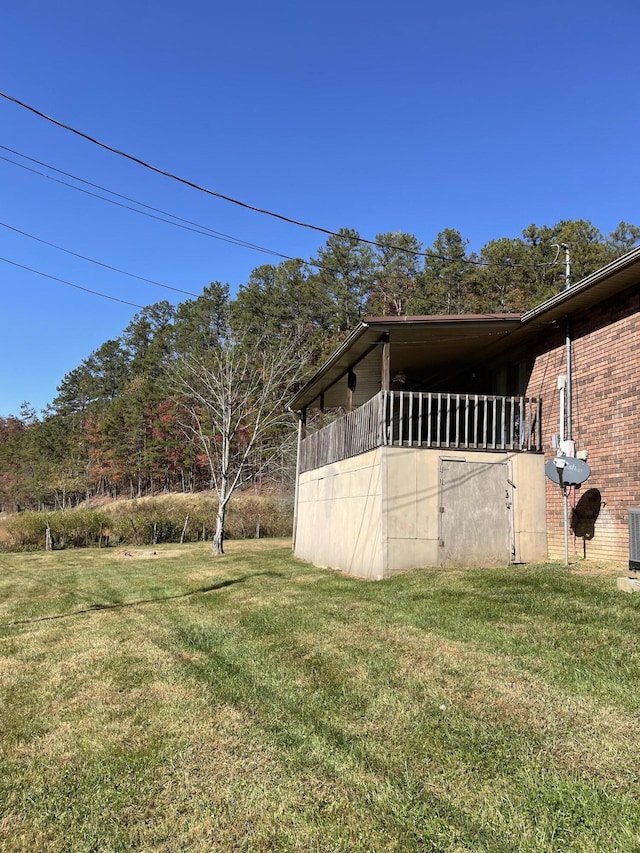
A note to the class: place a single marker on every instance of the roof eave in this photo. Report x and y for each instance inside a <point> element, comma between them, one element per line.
<point>373,330</point>
<point>564,297</point>
<point>332,361</point>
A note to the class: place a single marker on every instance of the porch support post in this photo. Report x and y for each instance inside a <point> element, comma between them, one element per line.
<point>303,424</point>
<point>351,387</point>
<point>321,410</point>
<point>385,379</point>
<point>303,415</point>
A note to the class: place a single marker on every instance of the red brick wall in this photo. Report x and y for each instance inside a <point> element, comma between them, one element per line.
<point>606,419</point>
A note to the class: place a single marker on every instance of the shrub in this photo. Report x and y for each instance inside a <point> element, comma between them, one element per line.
<point>70,528</point>
<point>26,529</point>
<point>78,528</point>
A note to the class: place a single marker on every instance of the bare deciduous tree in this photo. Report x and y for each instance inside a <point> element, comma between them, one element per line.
<point>236,398</point>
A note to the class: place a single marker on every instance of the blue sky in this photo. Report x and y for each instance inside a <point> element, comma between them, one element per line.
<point>409,116</point>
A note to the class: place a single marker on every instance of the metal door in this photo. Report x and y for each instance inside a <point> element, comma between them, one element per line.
<point>475,513</point>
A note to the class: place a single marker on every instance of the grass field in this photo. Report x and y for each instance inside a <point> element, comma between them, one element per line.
<point>254,703</point>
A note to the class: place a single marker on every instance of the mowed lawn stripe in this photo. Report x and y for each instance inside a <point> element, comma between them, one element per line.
<point>252,702</point>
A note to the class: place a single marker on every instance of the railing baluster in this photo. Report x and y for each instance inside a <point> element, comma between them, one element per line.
<point>448,421</point>
<point>392,417</point>
<point>475,422</point>
<point>494,423</point>
<point>410,420</point>
<point>429,419</point>
<point>384,433</point>
<point>485,430</point>
<point>512,422</point>
<point>466,420</point>
<point>420,402</point>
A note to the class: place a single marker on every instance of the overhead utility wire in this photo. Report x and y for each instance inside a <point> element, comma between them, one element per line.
<point>98,263</point>
<point>71,284</point>
<point>186,181</point>
<point>197,229</point>
<point>243,204</point>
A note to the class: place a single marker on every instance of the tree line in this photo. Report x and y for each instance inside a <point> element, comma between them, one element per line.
<point>128,420</point>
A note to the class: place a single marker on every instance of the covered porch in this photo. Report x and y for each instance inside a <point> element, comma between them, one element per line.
<point>432,456</point>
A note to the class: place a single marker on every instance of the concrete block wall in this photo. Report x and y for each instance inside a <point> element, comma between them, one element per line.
<point>606,419</point>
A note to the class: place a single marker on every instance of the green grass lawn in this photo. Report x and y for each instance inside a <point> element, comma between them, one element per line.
<point>254,703</point>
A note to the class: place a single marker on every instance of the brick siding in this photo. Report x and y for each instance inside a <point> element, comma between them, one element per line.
<point>606,419</point>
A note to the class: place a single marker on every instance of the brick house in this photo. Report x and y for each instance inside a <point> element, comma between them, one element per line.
<point>601,315</point>
<point>438,457</point>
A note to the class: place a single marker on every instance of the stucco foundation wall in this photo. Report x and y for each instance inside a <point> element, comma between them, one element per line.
<point>529,507</point>
<point>377,514</point>
<point>340,519</point>
<point>606,420</point>
<point>411,502</point>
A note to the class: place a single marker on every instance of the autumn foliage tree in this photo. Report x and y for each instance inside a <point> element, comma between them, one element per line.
<point>116,428</point>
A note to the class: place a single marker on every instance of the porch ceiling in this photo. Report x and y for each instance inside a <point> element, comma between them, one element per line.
<point>418,344</point>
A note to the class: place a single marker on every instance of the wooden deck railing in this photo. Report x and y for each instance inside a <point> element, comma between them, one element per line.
<point>474,421</point>
<point>424,419</point>
<point>355,433</point>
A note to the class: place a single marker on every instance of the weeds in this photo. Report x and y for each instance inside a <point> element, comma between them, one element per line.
<point>149,521</point>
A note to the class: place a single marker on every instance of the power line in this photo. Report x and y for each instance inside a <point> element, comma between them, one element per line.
<point>180,222</point>
<point>98,263</point>
<point>197,228</point>
<point>71,284</point>
<point>177,178</point>
<point>246,205</point>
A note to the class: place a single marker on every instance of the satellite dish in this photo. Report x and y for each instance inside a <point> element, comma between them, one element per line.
<point>567,470</point>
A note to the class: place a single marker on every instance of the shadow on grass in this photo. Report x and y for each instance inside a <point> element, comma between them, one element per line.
<point>97,608</point>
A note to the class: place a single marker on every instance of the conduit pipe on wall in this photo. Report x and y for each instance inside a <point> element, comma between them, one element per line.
<point>568,395</point>
<point>567,285</point>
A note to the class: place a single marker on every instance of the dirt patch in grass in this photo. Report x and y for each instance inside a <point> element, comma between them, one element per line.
<point>598,569</point>
<point>146,553</point>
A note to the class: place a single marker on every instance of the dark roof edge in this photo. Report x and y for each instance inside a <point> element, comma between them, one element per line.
<point>423,319</point>
<point>590,281</point>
